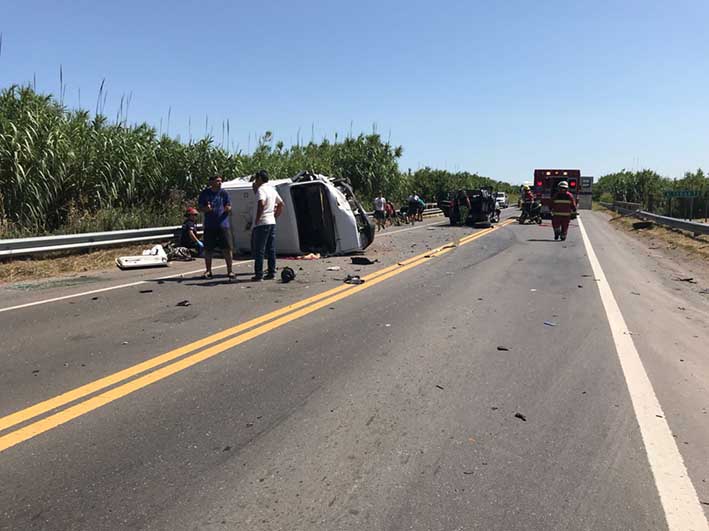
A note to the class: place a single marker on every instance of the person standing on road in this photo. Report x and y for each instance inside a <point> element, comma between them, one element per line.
<point>380,211</point>
<point>412,208</point>
<point>563,205</point>
<point>216,206</point>
<point>269,207</point>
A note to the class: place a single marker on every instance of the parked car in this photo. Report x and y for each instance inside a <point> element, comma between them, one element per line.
<point>502,199</point>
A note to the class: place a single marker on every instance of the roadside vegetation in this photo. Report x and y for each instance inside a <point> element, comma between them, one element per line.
<point>69,170</point>
<point>648,188</point>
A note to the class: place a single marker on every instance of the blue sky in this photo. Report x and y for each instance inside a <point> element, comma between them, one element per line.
<point>493,87</point>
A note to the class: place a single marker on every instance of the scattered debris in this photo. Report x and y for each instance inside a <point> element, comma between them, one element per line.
<point>226,449</point>
<point>249,424</point>
<point>387,325</point>
<point>505,349</point>
<point>681,359</point>
<point>494,408</point>
<point>154,257</point>
<point>36,371</point>
<point>579,286</point>
<point>146,291</point>
<point>353,279</point>
<point>467,472</point>
<point>334,268</point>
<point>634,293</point>
<point>94,298</point>
<point>363,260</point>
<point>439,386</point>
<point>287,274</point>
<point>521,417</point>
<point>550,323</point>
<point>184,303</point>
<point>681,308</point>
<point>687,279</point>
<point>642,225</point>
<point>124,343</point>
<point>586,276</point>
<point>532,290</point>
<point>659,416</point>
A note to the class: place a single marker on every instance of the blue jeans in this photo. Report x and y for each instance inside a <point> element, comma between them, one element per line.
<point>263,242</point>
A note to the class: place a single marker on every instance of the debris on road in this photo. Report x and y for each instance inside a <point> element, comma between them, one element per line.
<point>494,408</point>
<point>184,303</point>
<point>334,268</point>
<point>467,472</point>
<point>154,257</point>
<point>579,286</point>
<point>287,274</point>
<point>532,290</point>
<point>521,417</point>
<point>504,349</point>
<point>550,323</point>
<point>362,260</point>
<point>634,293</point>
<point>687,279</point>
<point>439,386</point>
<point>353,279</point>
<point>35,371</point>
<point>124,343</point>
<point>146,291</point>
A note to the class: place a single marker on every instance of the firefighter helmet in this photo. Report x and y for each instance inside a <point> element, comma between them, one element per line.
<point>525,187</point>
<point>563,184</point>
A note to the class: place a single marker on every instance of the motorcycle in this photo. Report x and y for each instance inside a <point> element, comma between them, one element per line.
<point>531,212</point>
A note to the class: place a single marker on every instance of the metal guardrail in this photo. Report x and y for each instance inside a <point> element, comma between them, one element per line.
<point>90,240</point>
<point>64,242</point>
<point>689,226</point>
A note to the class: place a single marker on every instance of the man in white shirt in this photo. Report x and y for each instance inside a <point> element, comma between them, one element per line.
<point>380,211</point>
<point>269,206</point>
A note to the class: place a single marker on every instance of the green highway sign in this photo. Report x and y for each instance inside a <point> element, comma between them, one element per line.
<point>681,193</point>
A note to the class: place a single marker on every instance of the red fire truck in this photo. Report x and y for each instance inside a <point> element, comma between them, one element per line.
<point>546,182</point>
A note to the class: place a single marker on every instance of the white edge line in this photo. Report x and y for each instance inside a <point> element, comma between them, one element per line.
<point>139,282</point>
<point>110,288</point>
<point>679,499</point>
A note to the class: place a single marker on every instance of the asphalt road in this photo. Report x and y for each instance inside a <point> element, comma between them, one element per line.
<point>391,405</point>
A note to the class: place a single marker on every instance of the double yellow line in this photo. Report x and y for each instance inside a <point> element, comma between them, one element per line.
<point>174,361</point>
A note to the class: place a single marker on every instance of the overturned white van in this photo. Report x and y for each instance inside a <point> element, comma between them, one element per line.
<point>321,215</point>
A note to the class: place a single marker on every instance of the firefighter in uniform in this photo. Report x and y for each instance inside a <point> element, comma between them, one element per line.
<point>527,200</point>
<point>562,206</point>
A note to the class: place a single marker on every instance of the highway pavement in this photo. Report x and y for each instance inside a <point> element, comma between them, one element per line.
<point>477,379</point>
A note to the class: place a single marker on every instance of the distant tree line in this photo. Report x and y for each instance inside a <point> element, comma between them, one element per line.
<point>64,170</point>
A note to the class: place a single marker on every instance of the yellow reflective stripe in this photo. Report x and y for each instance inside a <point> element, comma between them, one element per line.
<point>562,202</point>
<point>561,213</point>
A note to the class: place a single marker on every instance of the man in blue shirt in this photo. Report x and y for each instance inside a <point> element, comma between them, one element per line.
<point>216,206</point>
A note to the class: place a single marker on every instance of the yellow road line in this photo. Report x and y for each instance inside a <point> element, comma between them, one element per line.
<point>112,379</point>
<point>296,310</point>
